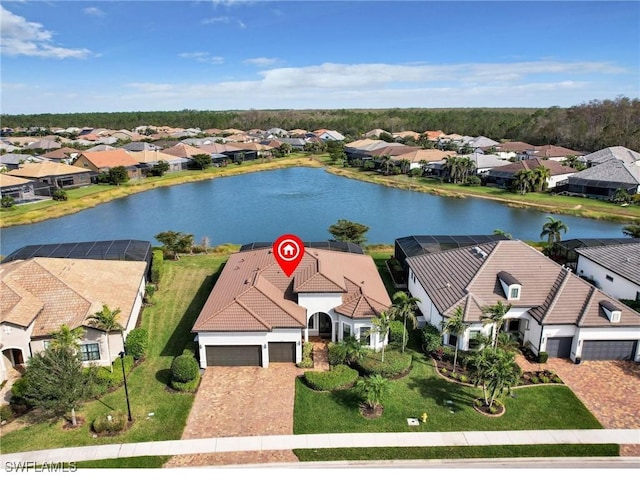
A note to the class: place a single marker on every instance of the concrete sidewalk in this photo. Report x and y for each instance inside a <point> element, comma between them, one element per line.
<point>339,440</point>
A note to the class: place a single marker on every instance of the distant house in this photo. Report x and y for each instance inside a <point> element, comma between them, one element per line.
<point>421,157</point>
<point>44,144</point>
<point>551,309</point>
<point>513,150</point>
<point>53,175</point>
<point>64,154</point>
<point>603,180</point>
<point>482,143</point>
<point>550,152</point>
<point>184,151</point>
<point>503,176</point>
<point>256,315</point>
<point>104,161</point>
<point>140,147</point>
<point>11,161</point>
<point>623,154</point>
<point>40,295</point>
<point>613,268</point>
<point>20,189</point>
<point>149,158</point>
<point>329,135</point>
<point>375,133</point>
<point>406,134</point>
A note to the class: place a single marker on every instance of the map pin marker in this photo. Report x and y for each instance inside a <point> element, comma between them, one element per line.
<point>288,251</point>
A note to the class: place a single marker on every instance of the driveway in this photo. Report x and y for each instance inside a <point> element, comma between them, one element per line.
<point>239,402</point>
<point>609,389</point>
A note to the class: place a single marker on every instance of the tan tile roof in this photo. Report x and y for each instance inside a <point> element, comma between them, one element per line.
<point>56,291</point>
<point>219,148</point>
<point>184,150</point>
<point>253,294</point>
<point>152,156</point>
<point>514,147</point>
<point>107,158</point>
<point>60,153</point>
<point>553,151</point>
<point>556,168</point>
<point>46,169</point>
<point>428,155</point>
<point>9,181</point>
<point>553,295</point>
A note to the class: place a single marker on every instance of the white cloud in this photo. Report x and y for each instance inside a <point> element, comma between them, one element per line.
<point>21,37</point>
<point>214,20</point>
<point>262,61</point>
<point>94,11</point>
<point>202,57</point>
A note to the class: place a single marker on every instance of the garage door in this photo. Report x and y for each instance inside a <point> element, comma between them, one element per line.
<point>234,355</point>
<point>282,352</point>
<point>559,347</point>
<point>608,349</point>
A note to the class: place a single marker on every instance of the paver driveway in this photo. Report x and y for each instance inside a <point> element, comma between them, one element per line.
<point>609,389</point>
<point>241,401</point>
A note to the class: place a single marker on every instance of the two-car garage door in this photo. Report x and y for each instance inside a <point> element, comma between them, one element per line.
<point>249,355</point>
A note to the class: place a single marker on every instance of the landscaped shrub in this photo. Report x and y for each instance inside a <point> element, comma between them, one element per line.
<point>184,368</point>
<point>464,379</point>
<point>473,181</point>
<point>395,363</point>
<point>307,358</point>
<point>190,387</point>
<point>396,332</point>
<point>190,349</point>
<point>339,377</point>
<point>157,266</point>
<point>543,357</point>
<point>60,195</point>
<point>7,201</point>
<point>137,343</point>
<point>535,379</point>
<point>336,355</point>
<point>112,379</point>
<point>113,422</point>
<point>556,379</point>
<point>431,338</point>
<point>6,413</point>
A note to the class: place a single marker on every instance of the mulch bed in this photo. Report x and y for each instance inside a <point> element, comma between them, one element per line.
<point>371,413</point>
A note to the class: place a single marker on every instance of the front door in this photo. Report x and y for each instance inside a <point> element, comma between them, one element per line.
<point>324,326</point>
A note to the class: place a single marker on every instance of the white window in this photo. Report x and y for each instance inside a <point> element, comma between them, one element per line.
<point>46,344</point>
<point>514,293</point>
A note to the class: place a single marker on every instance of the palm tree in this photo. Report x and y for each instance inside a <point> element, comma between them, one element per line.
<point>455,325</point>
<point>505,341</point>
<point>632,230</point>
<point>386,164</point>
<point>498,231</point>
<point>372,389</point>
<point>453,167</point>
<point>496,370</point>
<point>382,325</point>
<point>540,176</point>
<point>523,181</point>
<point>405,307</point>
<point>67,338</point>
<point>404,166</point>
<point>552,229</point>
<point>107,320</point>
<point>466,166</point>
<point>495,314</point>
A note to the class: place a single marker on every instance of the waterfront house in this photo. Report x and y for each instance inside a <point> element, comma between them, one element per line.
<point>551,309</point>
<point>255,314</point>
<point>613,268</point>
<point>20,189</point>
<point>50,176</point>
<point>103,161</point>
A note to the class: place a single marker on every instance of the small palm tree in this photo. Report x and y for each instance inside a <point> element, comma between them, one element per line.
<point>67,339</point>
<point>455,325</point>
<point>107,320</point>
<point>382,325</point>
<point>405,307</point>
<point>523,181</point>
<point>552,229</point>
<point>372,389</point>
<point>495,314</point>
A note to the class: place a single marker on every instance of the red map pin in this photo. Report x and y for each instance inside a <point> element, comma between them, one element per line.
<point>288,250</point>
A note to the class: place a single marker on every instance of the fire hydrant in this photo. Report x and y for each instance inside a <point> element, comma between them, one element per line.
<point>424,417</point>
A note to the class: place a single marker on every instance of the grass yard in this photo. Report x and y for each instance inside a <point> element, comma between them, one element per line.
<point>447,404</point>
<point>183,290</point>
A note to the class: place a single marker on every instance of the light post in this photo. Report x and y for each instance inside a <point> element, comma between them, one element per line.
<point>126,391</point>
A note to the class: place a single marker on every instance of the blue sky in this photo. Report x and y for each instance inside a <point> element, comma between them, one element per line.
<point>106,56</point>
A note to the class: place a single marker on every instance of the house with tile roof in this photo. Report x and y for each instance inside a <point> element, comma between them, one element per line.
<point>551,309</point>
<point>39,295</point>
<point>64,154</point>
<point>255,314</point>
<point>20,189</point>
<point>513,150</point>
<point>612,153</point>
<point>105,160</point>
<point>551,152</point>
<point>504,175</point>
<point>604,179</point>
<point>50,176</point>
<point>613,268</point>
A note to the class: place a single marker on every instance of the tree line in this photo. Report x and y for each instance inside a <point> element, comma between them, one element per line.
<point>588,126</point>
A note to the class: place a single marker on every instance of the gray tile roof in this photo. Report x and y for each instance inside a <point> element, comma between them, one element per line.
<point>469,277</point>
<point>613,171</point>
<point>623,260</point>
<point>621,153</point>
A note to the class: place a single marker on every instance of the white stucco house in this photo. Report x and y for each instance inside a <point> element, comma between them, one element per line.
<point>552,309</point>
<point>615,269</point>
<point>255,314</point>
<point>39,295</point>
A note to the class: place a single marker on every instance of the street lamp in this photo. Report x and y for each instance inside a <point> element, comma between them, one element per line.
<point>126,391</point>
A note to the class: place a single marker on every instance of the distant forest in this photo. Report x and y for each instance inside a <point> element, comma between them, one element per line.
<point>585,127</point>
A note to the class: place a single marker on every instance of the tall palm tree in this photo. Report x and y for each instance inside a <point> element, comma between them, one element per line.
<point>405,307</point>
<point>452,166</point>
<point>382,325</point>
<point>455,325</point>
<point>495,314</point>
<point>552,229</point>
<point>632,230</point>
<point>67,338</point>
<point>386,164</point>
<point>523,181</point>
<point>541,175</point>
<point>467,166</point>
<point>107,320</point>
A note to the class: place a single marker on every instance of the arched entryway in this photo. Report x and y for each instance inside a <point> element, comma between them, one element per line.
<point>323,323</point>
<point>12,357</point>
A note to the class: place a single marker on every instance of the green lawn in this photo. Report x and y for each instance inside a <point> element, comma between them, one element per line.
<point>544,407</point>
<point>183,290</point>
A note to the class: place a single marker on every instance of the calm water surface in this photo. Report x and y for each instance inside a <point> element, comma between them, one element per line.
<point>303,201</point>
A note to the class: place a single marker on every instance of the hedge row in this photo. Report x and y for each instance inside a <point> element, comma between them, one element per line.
<point>157,266</point>
<point>338,378</point>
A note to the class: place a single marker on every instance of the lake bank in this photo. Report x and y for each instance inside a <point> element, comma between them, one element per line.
<point>552,204</point>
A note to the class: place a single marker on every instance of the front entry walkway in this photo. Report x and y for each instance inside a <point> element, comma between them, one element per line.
<point>241,402</point>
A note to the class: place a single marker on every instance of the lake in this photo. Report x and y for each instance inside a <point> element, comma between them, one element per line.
<point>303,201</point>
